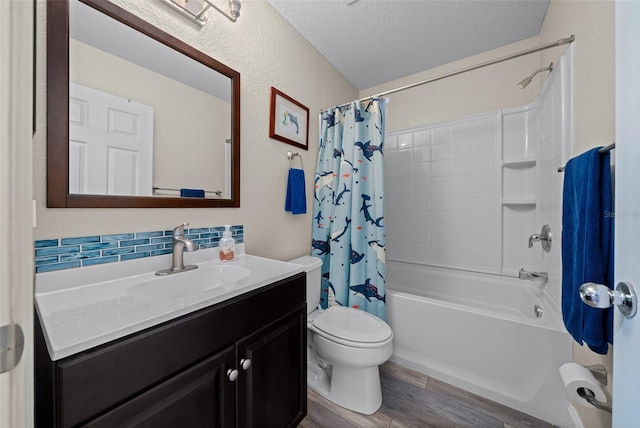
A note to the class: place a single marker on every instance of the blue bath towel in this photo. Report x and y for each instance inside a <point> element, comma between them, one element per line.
<point>191,193</point>
<point>587,246</point>
<point>296,199</point>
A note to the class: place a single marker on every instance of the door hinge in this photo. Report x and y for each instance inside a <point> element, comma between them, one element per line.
<point>11,346</point>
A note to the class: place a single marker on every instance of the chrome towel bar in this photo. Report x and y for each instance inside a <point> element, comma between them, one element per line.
<point>215,192</point>
<point>602,150</point>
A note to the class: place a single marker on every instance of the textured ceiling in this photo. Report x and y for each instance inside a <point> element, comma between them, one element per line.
<point>375,41</point>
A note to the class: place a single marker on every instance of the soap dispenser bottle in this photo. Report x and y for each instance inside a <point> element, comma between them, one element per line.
<point>227,245</point>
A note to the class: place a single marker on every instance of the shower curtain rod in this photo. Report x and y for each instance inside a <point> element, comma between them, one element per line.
<point>559,42</point>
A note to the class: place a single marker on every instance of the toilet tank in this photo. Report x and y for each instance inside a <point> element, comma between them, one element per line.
<point>313,269</point>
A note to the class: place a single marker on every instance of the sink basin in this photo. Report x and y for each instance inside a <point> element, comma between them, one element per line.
<point>196,281</point>
<point>229,273</point>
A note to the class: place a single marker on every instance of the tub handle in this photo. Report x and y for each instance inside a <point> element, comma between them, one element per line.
<point>544,237</point>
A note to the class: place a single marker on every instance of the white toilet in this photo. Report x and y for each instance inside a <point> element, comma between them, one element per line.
<point>345,346</point>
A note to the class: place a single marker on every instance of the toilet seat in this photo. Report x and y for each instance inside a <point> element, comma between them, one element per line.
<point>351,327</point>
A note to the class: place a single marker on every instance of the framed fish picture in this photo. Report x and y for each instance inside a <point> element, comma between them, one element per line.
<point>289,120</point>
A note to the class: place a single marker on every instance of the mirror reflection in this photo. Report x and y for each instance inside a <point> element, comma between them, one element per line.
<point>144,119</point>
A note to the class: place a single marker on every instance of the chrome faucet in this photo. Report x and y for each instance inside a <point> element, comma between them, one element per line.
<point>178,243</point>
<point>533,276</point>
<point>533,238</point>
<point>544,237</point>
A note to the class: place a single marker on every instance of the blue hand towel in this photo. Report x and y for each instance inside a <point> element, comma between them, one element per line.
<point>296,199</point>
<point>587,246</point>
<point>191,193</point>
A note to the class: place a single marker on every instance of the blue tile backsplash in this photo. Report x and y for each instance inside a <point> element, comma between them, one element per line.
<point>67,253</point>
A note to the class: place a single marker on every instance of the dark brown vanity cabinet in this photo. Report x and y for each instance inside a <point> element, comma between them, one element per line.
<point>278,368</point>
<point>239,363</point>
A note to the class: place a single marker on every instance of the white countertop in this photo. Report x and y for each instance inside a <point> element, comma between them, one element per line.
<point>85,307</point>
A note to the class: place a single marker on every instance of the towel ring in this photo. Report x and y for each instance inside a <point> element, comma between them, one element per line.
<point>291,156</point>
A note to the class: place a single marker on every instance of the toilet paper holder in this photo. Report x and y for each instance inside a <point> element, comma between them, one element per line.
<point>588,395</point>
<point>599,372</point>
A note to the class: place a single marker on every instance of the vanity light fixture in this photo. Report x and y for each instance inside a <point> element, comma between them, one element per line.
<point>196,10</point>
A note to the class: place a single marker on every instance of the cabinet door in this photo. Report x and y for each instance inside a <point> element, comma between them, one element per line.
<point>201,396</point>
<point>272,391</point>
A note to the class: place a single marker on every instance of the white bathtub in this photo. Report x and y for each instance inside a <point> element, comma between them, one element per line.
<point>480,332</point>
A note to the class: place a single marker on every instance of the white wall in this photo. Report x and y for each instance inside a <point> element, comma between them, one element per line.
<point>267,52</point>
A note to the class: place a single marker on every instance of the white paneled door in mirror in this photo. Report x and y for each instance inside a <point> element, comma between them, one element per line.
<point>110,144</point>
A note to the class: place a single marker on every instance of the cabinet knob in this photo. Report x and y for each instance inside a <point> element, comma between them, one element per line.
<point>232,374</point>
<point>245,363</point>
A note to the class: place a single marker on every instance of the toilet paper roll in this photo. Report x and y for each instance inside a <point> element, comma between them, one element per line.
<point>574,376</point>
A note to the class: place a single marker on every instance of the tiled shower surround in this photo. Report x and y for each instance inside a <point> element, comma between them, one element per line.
<point>468,193</point>
<point>442,188</point>
<point>67,253</point>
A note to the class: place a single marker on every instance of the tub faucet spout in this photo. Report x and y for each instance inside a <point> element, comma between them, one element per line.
<point>179,242</point>
<point>533,276</point>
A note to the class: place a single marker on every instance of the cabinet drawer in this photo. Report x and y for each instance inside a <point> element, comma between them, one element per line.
<point>99,379</point>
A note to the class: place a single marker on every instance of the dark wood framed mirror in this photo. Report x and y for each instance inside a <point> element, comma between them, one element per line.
<point>162,187</point>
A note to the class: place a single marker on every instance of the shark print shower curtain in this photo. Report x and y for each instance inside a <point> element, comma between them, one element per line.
<point>348,207</point>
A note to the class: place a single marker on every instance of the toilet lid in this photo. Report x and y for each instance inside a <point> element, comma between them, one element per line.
<point>352,325</point>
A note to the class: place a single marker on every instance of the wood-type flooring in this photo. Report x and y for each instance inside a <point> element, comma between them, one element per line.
<point>413,400</point>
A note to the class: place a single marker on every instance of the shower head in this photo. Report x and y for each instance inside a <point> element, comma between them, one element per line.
<point>525,82</point>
